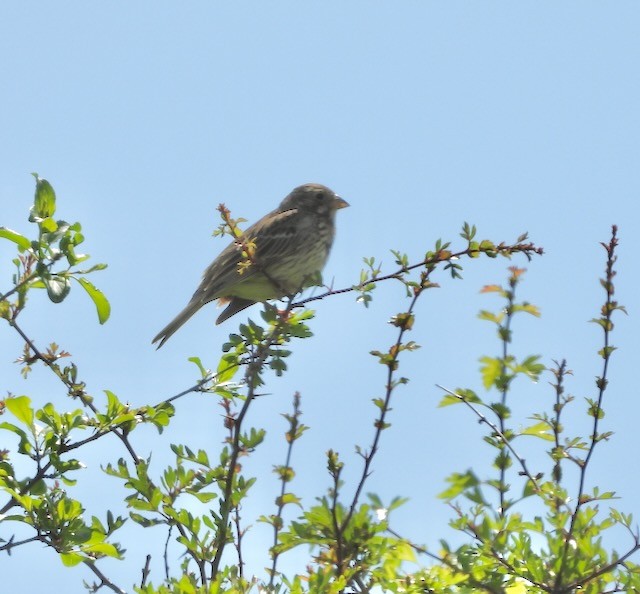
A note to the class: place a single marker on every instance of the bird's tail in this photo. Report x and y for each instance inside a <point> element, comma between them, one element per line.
<point>174,324</point>
<point>236,304</point>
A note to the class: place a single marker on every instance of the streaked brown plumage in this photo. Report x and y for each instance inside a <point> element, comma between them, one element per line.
<point>292,244</point>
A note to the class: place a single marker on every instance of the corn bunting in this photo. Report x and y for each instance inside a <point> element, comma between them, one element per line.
<point>287,250</point>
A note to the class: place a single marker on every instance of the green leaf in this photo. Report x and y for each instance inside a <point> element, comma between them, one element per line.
<point>527,308</point>
<point>404,552</point>
<point>103,548</point>
<point>71,559</point>
<point>20,406</point>
<point>458,483</point>
<point>20,240</point>
<point>196,361</point>
<point>448,400</point>
<point>44,203</point>
<point>491,317</point>
<point>541,430</point>
<point>58,288</point>
<point>14,429</point>
<point>491,369</point>
<point>459,395</point>
<point>203,497</point>
<point>49,225</point>
<point>102,304</point>
<point>287,498</point>
<point>144,522</point>
<point>24,446</point>
<point>227,367</point>
<point>531,367</point>
<point>38,488</point>
<point>529,489</point>
<point>517,588</point>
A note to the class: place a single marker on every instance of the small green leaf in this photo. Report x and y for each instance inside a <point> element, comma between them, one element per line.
<point>227,367</point>
<point>491,317</point>
<point>44,203</point>
<point>103,548</point>
<point>541,430</point>
<point>196,361</point>
<point>287,498</point>
<point>20,240</point>
<point>58,288</point>
<point>14,429</point>
<point>20,407</point>
<point>71,559</point>
<point>203,497</point>
<point>517,588</point>
<point>491,369</point>
<point>49,225</point>
<point>527,308</point>
<point>38,488</point>
<point>459,395</point>
<point>448,400</point>
<point>404,552</point>
<point>529,489</point>
<point>102,304</point>
<point>458,483</point>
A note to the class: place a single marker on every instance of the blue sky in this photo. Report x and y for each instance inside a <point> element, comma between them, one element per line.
<point>144,116</point>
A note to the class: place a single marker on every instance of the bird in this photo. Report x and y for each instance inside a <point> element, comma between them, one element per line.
<point>288,250</point>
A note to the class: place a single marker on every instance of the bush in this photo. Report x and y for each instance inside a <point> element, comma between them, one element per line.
<point>506,547</point>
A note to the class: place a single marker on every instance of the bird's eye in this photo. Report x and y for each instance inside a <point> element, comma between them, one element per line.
<point>320,195</point>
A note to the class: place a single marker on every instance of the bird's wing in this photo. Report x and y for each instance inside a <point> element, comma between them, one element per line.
<point>272,238</point>
<point>270,234</point>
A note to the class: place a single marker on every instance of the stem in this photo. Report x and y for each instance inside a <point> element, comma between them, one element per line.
<point>380,422</point>
<point>73,391</point>
<point>291,438</point>
<point>146,570</point>
<point>601,382</point>
<point>338,528</point>
<point>240,534</point>
<point>17,287</point>
<point>560,371</point>
<point>253,368</point>
<point>441,256</point>
<point>104,580</point>
<point>505,332</point>
<point>498,432</point>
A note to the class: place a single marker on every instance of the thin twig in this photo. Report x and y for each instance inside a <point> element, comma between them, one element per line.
<point>104,580</point>
<point>575,585</point>
<point>86,401</point>
<point>166,552</point>
<point>496,430</point>
<point>258,359</point>
<point>238,541</point>
<point>560,371</point>
<point>380,424</point>
<point>505,334</point>
<point>437,258</point>
<point>16,543</point>
<point>17,287</point>
<point>291,438</point>
<point>146,570</point>
<point>601,382</point>
<point>338,527</point>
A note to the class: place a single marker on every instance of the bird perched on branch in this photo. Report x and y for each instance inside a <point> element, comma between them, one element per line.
<point>281,254</point>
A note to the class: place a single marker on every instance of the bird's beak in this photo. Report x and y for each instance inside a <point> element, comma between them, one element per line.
<point>339,203</point>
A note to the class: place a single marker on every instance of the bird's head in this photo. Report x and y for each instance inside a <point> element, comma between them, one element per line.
<point>315,198</point>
